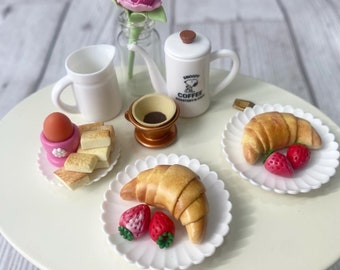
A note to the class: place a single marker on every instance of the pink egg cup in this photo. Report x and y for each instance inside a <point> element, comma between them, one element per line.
<point>57,152</point>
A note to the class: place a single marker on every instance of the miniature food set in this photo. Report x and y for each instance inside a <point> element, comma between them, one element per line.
<point>162,199</point>
<point>167,193</point>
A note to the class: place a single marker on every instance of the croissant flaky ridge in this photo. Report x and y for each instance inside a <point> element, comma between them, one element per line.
<point>175,188</point>
<point>274,130</point>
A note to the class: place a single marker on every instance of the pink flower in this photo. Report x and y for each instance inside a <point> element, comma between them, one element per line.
<point>140,5</point>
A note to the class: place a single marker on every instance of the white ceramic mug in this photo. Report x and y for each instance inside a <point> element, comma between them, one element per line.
<point>91,73</point>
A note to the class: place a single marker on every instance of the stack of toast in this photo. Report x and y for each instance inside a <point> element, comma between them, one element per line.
<point>96,144</point>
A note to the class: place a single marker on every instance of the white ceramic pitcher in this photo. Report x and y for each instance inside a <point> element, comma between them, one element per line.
<point>92,76</point>
<point>187,63</point>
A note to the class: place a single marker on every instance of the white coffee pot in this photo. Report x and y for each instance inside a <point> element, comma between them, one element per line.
<point>187,65</point>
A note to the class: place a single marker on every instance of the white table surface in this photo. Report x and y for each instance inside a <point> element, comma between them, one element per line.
<point>58,229</point>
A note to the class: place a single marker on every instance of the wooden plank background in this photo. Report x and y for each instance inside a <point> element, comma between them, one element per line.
<point>294,44</point>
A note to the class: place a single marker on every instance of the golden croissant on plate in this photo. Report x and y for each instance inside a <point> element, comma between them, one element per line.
<point>275,130</point>
<point>175,188</point>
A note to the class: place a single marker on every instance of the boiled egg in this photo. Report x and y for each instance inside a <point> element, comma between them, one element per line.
<point>57,127</point>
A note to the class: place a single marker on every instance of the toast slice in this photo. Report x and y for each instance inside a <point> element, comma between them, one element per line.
<point>72,180</point>
<point>80,162</point>
<point>90,126</point>
<point>103,154</point>
<point>95,138</point>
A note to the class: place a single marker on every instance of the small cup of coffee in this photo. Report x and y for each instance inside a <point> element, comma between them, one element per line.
<point>153,110</point>
<point>154,116</point>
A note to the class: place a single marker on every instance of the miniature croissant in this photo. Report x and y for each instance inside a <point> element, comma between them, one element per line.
<point>175,188</point>
<point>275,130</point>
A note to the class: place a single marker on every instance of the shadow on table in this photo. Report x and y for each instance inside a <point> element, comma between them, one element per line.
<point>239,231</point>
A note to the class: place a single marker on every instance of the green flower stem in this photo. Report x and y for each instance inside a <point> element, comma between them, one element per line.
<point>134,35</point>
<point>131,60</point>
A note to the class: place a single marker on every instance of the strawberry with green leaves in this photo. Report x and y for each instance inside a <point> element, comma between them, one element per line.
<point>134,222</point>
<point>162,229</point>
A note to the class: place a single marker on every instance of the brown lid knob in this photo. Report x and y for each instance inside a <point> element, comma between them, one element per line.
<point>187,36</point>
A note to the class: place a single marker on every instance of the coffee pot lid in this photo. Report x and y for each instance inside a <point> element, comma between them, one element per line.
<point>187,45</point>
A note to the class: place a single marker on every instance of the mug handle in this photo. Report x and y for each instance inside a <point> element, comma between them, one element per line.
<point>57,89</point>
<point>224,53</point>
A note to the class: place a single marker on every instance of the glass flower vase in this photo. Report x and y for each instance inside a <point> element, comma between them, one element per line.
<point>135,73</point>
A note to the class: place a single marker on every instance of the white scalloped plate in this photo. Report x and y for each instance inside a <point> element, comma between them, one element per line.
<point>182,253</point>
<point>320,168</point>
<point>47,169</point>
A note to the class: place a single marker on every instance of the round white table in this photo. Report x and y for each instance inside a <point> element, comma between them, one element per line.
<point>56,228</point>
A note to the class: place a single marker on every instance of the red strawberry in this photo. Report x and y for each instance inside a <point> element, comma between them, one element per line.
<point>298,155</point>
<point>277,163</point>
<point>134,222</point>
<point>162,229</point>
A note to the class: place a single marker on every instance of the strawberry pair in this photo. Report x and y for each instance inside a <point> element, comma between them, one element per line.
<point>136,221</point>
<point>297,157</point>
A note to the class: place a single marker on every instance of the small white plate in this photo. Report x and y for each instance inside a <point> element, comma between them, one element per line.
<point>47,169</point>
<point>182,253</point>
<point>318,171</point>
